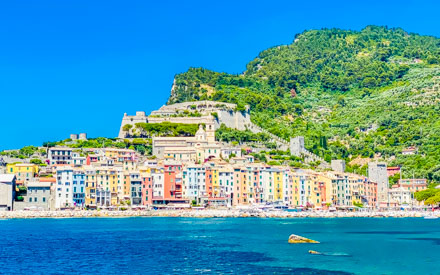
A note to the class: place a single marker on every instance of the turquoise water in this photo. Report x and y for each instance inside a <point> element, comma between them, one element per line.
<point>219,245</point>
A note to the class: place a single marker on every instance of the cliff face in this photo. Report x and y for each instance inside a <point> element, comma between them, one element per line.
<point>362,93</point>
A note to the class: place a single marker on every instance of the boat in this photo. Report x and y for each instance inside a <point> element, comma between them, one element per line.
<point>430,217</point>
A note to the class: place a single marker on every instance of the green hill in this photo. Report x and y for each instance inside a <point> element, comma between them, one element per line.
<point>352,94</point>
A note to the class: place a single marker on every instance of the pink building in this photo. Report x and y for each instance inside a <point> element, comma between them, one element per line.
<point>147,190</point>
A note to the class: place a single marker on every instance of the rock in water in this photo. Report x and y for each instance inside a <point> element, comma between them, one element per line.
<point>298,239</point>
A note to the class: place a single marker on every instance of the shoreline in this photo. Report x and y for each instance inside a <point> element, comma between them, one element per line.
<point>212,213</point>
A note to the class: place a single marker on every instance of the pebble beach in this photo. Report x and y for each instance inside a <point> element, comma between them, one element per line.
<point>214,213</point>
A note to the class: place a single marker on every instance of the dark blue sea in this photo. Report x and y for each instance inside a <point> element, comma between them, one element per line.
<point>219,245</point>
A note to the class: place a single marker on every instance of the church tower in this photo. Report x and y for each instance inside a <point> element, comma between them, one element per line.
<point>210,132</point>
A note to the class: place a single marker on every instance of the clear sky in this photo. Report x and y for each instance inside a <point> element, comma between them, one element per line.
<point>76,66</point>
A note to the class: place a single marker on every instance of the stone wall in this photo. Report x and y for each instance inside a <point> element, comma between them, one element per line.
<point>139,117</point>
<point>225,112</point>
<point>235,120</point>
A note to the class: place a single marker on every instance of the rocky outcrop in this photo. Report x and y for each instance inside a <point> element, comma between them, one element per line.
<point>299,239</point>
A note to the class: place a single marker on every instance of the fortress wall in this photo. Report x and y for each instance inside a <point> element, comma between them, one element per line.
<point>235,120</point>
<point>185,120</point>
<point>226,115</point>
<point>139,117</point>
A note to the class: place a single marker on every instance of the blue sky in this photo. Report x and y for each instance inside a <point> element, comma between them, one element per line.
<point>77,66</point>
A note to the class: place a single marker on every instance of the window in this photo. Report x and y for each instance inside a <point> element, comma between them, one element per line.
<point>30,199</point>
<point>44,199</point>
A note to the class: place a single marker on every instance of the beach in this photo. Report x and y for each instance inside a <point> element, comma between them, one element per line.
<point>215,213</point>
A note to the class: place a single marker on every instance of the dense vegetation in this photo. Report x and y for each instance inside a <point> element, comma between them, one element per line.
<point>355,95</point>
<point>142,145</point>
<point>430,196</point>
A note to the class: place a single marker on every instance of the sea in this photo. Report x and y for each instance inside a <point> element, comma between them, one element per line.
<point>158,245</point>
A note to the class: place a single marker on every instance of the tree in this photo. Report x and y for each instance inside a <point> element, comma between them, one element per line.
<point>127,127</point>
<point>36,161</point>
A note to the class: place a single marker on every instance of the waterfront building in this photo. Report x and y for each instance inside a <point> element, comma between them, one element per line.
<point>90,187</point>
<point>172,182</point>
<point>78,185</point>
<point>400,196</point>
<point>7,191</point>
<point>64,192</point>
<point>194,182</point>
<point>136,188</point>
<point>107,179</point>
<point>225,185</point>
<point>370,194</point>
<point>377,172</point>
<point>103,197</point>
<point>38,195</point>
<point>147,189</point>
<point>158,182</point>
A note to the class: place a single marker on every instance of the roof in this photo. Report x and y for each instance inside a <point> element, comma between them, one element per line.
<point>61,148</point>
<point>22,164</point>
<point>38,184</point>
<point>7,177</point>
<point>48,179</point>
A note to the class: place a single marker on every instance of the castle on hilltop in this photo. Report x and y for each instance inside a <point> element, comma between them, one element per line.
<point>196,112</point>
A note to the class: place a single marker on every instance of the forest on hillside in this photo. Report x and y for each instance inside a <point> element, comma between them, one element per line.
<point>352,94</point>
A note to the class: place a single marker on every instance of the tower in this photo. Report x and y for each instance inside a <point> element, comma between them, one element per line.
<point>210,132</point>
<point>297,146</point>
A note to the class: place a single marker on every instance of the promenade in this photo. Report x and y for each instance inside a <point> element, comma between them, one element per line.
<point>212,213</point>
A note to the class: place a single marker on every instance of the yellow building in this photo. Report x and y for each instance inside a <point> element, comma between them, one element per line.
<point>107,179</point>
<point>23,171</point>
<point>278,185</point>
<point>90,192</point>
<point>307,189</point>
<point>357,188</point>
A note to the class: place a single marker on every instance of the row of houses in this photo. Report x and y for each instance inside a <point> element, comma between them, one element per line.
<point>115,177</point>
<point>111,177</point>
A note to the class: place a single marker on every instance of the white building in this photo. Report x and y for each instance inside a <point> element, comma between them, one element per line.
<point>158,183</point>
<point>78,160</point>
<point>400,196</point>
<point>194,181</point>
<point>64,188</point>
<point>60,155</point>
<point>228,152</point>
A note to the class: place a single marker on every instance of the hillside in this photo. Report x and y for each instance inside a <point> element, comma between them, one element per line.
<point>352,94</point>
